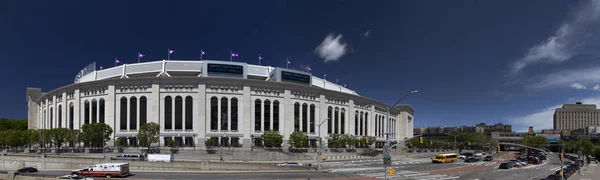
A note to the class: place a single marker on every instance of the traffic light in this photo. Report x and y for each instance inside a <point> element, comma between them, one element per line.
<point>421,140</point>
<point>498,151</point>
<point>561,156</point>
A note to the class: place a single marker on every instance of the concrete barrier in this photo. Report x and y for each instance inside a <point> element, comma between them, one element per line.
<point>16,161</point>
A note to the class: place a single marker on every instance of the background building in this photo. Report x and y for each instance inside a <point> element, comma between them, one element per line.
<point>576,116</point>
<point>231,102</point>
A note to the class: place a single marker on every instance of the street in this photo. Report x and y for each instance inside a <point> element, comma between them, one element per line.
<point>191,175</point>
<point>421,168</point>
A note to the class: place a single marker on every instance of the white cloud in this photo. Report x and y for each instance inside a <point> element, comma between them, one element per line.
<point>596,87</point>
<point>543,118</point>
<point>578,86</point>
<point>331,49</point>
<point>562,45</point>
<point>566,78</point>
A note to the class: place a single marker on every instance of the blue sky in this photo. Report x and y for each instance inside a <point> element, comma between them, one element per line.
<point>472,61</point>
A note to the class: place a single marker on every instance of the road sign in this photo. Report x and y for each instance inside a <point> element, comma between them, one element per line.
<point>391,171</point>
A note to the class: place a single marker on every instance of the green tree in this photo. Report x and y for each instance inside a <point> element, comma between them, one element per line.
<point>96,134</point>
<point>367,141</point>
<point>6,124</point>
<point>596,151</point>
<point>334,140</point>
<point>209,143</point>
<point>59,137</point>
<point>33,137</point>
<point>14,138</point>
<point>272,139</point>
<point>298,139</point>
<point>149,133</point>
<point>72,137</point>
<point>535,141</point>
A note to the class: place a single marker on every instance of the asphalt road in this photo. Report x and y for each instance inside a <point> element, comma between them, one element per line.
<point>257,175</point>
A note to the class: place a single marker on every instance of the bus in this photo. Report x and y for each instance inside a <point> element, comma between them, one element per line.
<point>445,158</point>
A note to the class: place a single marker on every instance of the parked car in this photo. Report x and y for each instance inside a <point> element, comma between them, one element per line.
<point>488,158</point>
<point>505,166</point>
<point>514,164</point>
<point>519,163</point>
<point>534,160</point>
<point>465,155</point>
<point>27,170</point>
<point>473,159</point>
<point>478,154</point>
<point>524,160</point>
<point>290,164</point>
<point>74,177</point>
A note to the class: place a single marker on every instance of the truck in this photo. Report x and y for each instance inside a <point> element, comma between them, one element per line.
<point>160,157</point>
<point>107,170</point>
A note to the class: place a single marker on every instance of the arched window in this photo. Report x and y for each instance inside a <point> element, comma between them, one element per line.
<point>257,114</point>
<point>356,123</point>
<point>168,112</point>
<point>361,124</point>
<point>178,112</point>
<point>60,119</point>
<point>51,118</point>
<point>304,117</point>
<point>224,113</point>
<point>312,123</point>
<point>189,109</point>
<point>336,122</point>
<point>71,115</point>
<point>86,112</point>
<point>267,113</point>
<point>214,113</point>
<point>123,114</point>
<point>296,116</point>
<point>366,123</point>
<point>102,109</point>
<point>343,121</point>
<point>133,113</point>
<point>143,110</point>
<point>276,115</point>
<point>330,118</point>
<point>94,111</point>
<point>234,114</point>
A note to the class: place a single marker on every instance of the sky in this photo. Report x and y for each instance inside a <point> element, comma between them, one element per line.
<point>507,61</point>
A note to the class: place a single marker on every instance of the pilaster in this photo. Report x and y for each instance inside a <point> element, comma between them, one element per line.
<point>201,124</point>
<point>109,111</point>
<point>77,110</point>
<point>246,125</point>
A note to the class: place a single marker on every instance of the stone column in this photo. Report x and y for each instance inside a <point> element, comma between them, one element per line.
<point>77,110</point>
<point>322,116</point>
<point>109,112</point>
<point>202,108</point>
<point>246,124</point>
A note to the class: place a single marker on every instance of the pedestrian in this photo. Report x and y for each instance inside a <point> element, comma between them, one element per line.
<point>222,158</point>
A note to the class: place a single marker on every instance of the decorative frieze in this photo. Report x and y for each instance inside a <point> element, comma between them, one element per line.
<point>93,91</point>
<point>133,88</point>
<point>266,91</point>
<point>70,95</point>
<point>380,110</point>
<point>336,100</point>
<point>304,95</point>
<point>362,105</point>
<point>223,89</point>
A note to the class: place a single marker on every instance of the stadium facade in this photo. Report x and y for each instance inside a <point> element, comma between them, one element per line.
<point>232,102</point>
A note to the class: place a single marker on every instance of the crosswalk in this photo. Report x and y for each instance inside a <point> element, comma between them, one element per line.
<point>378,172</point>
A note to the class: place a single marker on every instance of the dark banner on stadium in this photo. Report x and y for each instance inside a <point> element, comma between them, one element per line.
<point>225,69</point>
<point>295,77</point>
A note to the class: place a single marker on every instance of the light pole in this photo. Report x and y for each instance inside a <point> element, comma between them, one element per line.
<point>320,143</point>
<point>386,151</point>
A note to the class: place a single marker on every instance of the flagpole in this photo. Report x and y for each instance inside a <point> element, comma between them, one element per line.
<point>138,57</point>
<point>168,54</point>
<point>259,59</point>
<point>287,63</point>
<point>230,55</point>
<point>115,61</point>
<point>201,54</point>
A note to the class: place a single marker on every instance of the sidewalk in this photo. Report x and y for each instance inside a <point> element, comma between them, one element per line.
<point>588,172</point>
<point>205,172</point>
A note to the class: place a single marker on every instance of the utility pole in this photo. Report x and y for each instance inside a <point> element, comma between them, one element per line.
<point>562,151</point>
<point>387,159</point>
<point>320,149</point>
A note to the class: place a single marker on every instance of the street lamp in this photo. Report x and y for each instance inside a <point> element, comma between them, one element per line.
<point>386,151</point>
<point>320,142</point>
